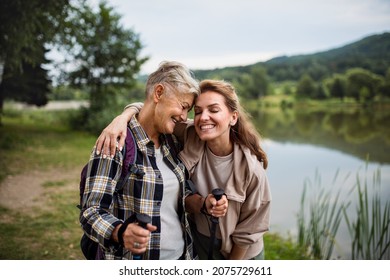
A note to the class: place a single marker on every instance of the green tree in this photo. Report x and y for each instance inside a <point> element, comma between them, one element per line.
<point>320,92</point>
<point>25,28</point>
<point>261,82</point>
<point>107,59</point>
<point>244,86</point>
<point>254,84</point>
<point>30,85</point>
<point>384,89</point>
<point>362,84</point>
<point>337,88</point>
<point>306,87</point>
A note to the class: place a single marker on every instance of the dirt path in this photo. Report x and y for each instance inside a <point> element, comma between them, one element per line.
<point>25,191</point>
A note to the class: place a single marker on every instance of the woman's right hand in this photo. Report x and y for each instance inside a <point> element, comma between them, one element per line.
<point>136,238</point>
<point>114,135</point>
<point>107,141</point>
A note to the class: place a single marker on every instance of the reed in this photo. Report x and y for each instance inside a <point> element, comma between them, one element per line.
<point>319,218</point>
<point>369,231</point>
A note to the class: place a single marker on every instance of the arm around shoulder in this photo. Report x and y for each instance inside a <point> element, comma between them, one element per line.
<point>114,135</point>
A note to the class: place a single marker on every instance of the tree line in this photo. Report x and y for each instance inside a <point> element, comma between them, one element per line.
<point>360,71</point>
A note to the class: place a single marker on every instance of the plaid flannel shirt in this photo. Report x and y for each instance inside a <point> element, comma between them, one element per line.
<point>104,207</point>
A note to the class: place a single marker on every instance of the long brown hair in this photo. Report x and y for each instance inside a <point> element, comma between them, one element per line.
<point>243,132</point>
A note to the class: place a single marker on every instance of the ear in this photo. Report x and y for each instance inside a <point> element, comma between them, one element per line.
<point>158,92</point>
<point>234,119</point>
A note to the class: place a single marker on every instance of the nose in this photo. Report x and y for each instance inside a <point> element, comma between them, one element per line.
<point>184,115</point>
<point>204,115</point>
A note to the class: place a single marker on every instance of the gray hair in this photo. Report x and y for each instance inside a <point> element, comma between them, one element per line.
<point>175,74</point>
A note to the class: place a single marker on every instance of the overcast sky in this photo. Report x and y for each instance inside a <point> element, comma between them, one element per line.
<point>206,34</point>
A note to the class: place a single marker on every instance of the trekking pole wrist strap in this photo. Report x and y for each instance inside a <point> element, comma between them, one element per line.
<point>123,228</point>
<point>203,210</point>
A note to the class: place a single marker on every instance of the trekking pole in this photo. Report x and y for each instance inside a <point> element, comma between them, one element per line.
<point>143,220</point>
<point>217,193</point>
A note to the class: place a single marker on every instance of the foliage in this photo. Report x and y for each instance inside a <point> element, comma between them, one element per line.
<point>253,85</point>
<point>324,214</point>
<point>66,92</point>
<point>107,59</point>
<point>338,87</point>
<point>25,28</point>
<point>95,121</point>
<point>105,56</point>
<point>306,87</point>
<point>385,88</point>
<point>30,85</point>
<point>362,84</point>
<point>370,231</point>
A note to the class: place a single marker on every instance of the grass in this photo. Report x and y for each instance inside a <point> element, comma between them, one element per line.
<point>281,248</point>
<point>46,235</point>
<point>36,140</point>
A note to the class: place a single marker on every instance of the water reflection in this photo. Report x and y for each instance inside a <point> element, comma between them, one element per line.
<point>360,133</point>
<point>300,144</point>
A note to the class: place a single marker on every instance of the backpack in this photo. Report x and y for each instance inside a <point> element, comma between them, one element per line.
<point>90,248</point>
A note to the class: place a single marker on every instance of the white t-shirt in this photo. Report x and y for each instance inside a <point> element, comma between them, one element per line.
<point>172,240</point>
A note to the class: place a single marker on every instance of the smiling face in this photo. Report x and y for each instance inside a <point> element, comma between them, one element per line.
<point>213,118</point>
<point>172,106</point>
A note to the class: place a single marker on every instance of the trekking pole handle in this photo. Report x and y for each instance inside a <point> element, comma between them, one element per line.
<point>217,193</point>
<point>143,220</point>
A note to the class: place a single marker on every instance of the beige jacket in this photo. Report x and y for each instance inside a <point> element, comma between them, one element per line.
<point>248,215</point>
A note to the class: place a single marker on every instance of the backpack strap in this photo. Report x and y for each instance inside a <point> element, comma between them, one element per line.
<point>129,152</point>
<point>129,159</point>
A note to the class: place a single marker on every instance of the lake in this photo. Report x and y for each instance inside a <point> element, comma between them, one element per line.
<point>300,144</point>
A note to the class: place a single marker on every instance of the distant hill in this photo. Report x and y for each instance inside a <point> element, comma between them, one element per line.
<point>371,53</point>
